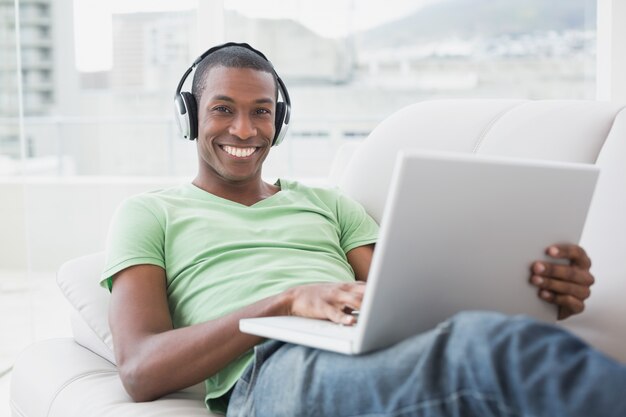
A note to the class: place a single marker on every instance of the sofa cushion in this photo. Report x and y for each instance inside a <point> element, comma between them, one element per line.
<point>78,281</point>
<point>544,130</point>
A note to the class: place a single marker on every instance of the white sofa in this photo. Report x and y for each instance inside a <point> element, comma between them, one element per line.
<point>77,377</point>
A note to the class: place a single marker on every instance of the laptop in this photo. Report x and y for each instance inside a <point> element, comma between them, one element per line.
<point>458,232</point>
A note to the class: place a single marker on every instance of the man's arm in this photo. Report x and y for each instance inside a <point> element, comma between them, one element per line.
<point>567,286</point>
<point>360,259</point>
<point>155,359</point>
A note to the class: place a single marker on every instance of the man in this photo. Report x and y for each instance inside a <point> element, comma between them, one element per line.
<point>185,264</point>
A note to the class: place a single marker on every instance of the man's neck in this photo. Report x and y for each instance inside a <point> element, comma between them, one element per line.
<point>247,193</point>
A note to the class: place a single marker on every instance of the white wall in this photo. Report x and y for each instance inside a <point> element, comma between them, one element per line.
<point>611,56</point>
<point>45,222</point>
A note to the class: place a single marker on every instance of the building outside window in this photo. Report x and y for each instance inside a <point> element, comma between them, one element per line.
<point>106,77</point>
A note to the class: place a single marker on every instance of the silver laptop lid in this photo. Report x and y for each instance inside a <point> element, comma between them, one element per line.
<point>460,231</point>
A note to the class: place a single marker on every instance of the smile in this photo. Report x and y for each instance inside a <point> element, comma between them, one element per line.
<point>238,152</point>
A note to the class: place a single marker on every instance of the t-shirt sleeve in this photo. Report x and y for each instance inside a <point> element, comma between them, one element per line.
<point>136,236</point>
<point>357,227</point>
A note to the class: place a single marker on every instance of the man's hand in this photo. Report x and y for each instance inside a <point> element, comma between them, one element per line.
<point>332,301</point>
<point>567,286</point>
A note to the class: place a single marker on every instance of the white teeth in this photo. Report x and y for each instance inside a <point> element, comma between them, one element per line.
<point>238,152</point>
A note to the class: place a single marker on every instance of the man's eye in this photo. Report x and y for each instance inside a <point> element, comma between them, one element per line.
<point>262,111</point>
<point>222,109</point>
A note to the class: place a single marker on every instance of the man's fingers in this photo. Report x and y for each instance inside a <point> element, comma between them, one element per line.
<point>339,316</point>
<point>346,297</point>
<point>559,287</point>
<point>575,253</point>
<point>356,287</point>
<point>563,272</point>
<point>331,301</point>
<point>564,285</point>
<point>351,290</point>
<point>568,305</point>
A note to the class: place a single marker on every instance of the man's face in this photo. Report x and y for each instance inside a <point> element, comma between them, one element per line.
<point>236,123</point>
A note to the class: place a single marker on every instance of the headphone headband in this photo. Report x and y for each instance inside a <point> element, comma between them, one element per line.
<point>186,107</point>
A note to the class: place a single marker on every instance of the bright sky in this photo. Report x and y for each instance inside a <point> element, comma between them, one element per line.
<point>331,18</point>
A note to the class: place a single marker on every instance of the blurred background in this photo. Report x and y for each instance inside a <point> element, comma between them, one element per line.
<point>86,93</point>
<point>87,85</point>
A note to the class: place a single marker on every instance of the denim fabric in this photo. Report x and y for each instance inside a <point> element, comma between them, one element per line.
<point>475,364</point>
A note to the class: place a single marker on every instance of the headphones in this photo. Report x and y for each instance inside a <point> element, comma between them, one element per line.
<point>186,109</point>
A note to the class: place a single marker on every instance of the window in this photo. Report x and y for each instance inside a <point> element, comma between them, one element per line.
<point>349,64</point>
<point>86,93</point>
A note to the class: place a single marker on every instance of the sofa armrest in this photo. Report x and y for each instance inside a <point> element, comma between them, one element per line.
<point>73,382</point>
<point>54,364</point>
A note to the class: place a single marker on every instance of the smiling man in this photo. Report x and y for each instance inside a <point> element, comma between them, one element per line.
<point>236,115</point>
<point>184,265</point>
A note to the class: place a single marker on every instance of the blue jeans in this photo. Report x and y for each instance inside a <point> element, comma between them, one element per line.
<point>475,364</point>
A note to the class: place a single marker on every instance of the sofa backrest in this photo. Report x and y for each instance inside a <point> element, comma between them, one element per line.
<point>576,131</point>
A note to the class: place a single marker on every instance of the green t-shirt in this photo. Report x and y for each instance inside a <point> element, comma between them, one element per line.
<point>220,256</point>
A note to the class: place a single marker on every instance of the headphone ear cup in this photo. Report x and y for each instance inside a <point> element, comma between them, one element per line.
<point>181,114</point>
<point>279,120</point>
<point>186,115</point>
<point>192,113</point>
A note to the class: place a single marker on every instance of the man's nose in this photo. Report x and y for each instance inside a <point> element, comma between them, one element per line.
<point>243,127</point>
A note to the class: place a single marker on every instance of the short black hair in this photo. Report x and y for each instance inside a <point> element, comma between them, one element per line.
<point>229,57</point>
